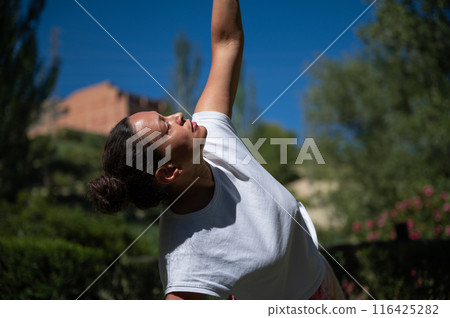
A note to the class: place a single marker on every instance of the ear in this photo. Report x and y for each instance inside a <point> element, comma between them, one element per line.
<point>167,174</point>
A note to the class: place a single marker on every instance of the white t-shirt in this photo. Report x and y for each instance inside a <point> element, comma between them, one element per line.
<point>253,240</point>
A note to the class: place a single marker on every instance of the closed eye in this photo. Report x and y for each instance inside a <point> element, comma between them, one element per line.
<point>163,122</point>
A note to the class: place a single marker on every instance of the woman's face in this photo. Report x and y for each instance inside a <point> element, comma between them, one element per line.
<point>181,133</point>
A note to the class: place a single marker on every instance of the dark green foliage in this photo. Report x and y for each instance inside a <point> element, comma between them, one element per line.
<point>36,217</point>
<point>47,269</point>
<point>24,84</point>
<point>50,251</point>
<point>271,153</point>
<point>245,105</point>
<point>57,269</point>
<point>394,270</point>
<point>66,162</point>
<point>382,117</point>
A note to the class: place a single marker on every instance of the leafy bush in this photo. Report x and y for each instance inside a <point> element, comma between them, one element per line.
<point>413,269</point>
<point>426,215</point>
<point>36,217</point>
<point>64,163</point>
<point>394,270</point>
<point>57,269</point>
<point>47,269</point>
<point>49,251</point>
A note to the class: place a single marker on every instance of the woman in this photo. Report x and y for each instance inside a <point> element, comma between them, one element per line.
<point>231,229</point>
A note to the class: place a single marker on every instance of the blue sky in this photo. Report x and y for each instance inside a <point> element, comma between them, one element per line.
<point>282,39</point>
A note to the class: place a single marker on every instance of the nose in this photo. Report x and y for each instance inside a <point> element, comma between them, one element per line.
<point>178,118</point>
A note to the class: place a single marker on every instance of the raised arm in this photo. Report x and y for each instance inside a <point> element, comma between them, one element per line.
<point>227,44</point>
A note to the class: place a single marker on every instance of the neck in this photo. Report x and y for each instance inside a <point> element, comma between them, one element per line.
<point>199,183</point>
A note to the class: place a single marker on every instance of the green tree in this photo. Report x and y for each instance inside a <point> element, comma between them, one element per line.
<point>270,151</point>
<point>382,117</point>
<point>186,74</point>
<point>245,108</point>
<point>25,82</point>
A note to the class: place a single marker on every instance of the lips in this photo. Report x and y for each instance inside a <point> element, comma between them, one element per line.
<point>193,124</point>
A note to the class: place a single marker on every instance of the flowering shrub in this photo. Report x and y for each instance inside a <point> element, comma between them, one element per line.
<point>393,269</point>
<point>426,215</point>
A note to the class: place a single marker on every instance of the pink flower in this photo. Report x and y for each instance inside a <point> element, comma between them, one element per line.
<point>410,224</point>
<point>413,272</point>
<point>408,203</point>
<point>372,236</point>
<point>400,206</point>
<point>444,195</point>
<point>417,203</point>
<point>376,235</point>
<point>437,215</point>
<point>392,235</point>
<point>380,222</point>
<point>447,230</point>
<point>356,226</point>
<point>446,207</point>
<point>419,281</point>
<point>415,235</point>
<point>350,287</point>
<point>428,190</point>
<point>437,229</point>
<point>369,224</point>
<point>393,213</point>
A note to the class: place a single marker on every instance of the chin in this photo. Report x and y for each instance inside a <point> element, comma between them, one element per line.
<point>205,133</point>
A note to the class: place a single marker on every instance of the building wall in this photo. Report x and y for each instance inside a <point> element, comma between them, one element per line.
<point>95,109</point>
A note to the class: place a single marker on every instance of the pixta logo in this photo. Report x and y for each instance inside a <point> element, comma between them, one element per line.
<point>138,148</point>
<point>227,149</point>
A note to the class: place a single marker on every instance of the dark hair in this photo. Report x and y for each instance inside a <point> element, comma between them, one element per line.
<point>121,183</point>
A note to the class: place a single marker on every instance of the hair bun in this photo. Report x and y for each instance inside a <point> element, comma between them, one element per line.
<point>108,193</point>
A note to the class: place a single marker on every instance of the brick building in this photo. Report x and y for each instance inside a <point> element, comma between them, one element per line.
<point>94,109</point>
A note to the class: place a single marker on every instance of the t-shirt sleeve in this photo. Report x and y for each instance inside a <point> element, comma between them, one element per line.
<point>193,289</point>
<point>222,141</point>
<point>217,124</point>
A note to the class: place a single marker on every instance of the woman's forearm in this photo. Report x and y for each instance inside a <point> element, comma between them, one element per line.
<point>226,24</point>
